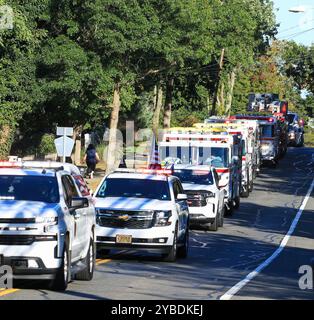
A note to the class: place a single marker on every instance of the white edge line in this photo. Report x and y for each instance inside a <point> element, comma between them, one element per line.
<point>235,289</point>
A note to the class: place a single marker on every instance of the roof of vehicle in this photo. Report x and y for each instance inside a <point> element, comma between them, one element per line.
<point>138,175</point>
<point>26,172</point>
<point>35,168</point>
<point>192,167</point>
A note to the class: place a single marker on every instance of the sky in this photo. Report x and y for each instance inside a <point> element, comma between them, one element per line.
<point>294,26</point>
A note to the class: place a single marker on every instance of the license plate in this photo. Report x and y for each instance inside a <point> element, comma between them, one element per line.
<point>123,239</point>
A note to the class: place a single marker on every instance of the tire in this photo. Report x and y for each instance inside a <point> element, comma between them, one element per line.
<point>172,255</point>
<point>87,273</point>
<point>213,226</point>
<point>251,186</point>
<point>301,144</point>
<point>183,251</point>
<point>229,211</point>
<point>221,218</point>
<point>63,275</point>
<point>246,193</point>
<point>237,203</point>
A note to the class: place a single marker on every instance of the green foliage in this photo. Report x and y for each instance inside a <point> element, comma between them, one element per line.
<point>47,145</point>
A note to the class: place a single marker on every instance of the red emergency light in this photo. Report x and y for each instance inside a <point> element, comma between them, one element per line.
<point>223,170</point>
<point>9,164</point>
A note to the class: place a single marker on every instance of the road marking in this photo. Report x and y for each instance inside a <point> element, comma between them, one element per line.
<point>235,289</point>
<point>102,261</point>
<point>4,292</point>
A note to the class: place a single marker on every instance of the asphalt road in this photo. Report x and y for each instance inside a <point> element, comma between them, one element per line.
<point>217,260</point>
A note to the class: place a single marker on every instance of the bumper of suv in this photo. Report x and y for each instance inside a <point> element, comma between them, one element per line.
<point>157,240</point>
<point>202,215</point>
<point>36,261</point>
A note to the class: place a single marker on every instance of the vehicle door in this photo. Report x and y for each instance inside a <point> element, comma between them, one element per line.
<point>77,216</point>
<point>182,207</point>
<point>221,193</point>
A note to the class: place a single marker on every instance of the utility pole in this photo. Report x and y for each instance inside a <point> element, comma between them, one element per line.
<point>221,62</point>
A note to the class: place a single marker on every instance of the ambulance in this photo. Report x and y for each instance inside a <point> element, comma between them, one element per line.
<point>204,147</point>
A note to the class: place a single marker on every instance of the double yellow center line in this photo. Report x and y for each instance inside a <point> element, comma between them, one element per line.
<point>5,292</point>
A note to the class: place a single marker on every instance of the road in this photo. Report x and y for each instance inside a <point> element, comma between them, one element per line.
<point>218,261</point>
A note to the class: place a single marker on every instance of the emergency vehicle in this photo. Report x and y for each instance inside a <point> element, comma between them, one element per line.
<point>205,147</point>
<point>269,138</point>
<point>47,222</point>
<point>205,198</point>
<point>142,209</point>
<point>246,131</point>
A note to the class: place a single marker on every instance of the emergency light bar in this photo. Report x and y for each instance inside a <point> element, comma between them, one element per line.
<point>166,172</point>
<point>10,164</point>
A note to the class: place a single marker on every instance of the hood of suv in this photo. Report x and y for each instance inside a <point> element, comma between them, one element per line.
<point>26,209</point>
<point>121,203</point>
<point>198,187</point>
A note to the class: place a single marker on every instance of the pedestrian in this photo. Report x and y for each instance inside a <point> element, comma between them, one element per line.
<point>91,158</point>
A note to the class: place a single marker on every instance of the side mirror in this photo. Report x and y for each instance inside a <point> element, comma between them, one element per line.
<point>79,203</point>
<point>182,196</point>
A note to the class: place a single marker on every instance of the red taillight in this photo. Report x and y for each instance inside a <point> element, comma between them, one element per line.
<point>244,158</point>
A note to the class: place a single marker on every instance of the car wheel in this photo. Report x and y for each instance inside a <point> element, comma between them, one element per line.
<point>63,275</point>
<point>214,226</point>
<point>237,203</point>
<point>221,217</point>
<point>172,255</point>
<point>229,210</point>
<point>251,186</point>
<point>87,273</point>
<point>184,249</point>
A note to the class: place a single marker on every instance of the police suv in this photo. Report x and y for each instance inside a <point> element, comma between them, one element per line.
<point>205,198</point>
<point>47,222</point>
<point>144,210</point>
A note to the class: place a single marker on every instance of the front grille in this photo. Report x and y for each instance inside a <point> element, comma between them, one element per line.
<point>23,240</point>
<point>17,220</point>
<point>126,219</point>
<point>196,199</point>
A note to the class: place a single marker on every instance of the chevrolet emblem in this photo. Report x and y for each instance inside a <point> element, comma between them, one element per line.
<point>125,217</point>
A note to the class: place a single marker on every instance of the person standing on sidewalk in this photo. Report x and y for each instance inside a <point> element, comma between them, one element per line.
<point>91,158</point>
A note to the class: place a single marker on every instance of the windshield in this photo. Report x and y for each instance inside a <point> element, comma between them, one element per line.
<point>268,131</point>
<point>135,188</point>
<point>217,157</point>
<point>291,118</point>
<point>184,154</point>
<point>29,188</point>
<point>194,176</point>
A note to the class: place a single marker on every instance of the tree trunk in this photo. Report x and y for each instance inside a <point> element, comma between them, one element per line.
<point>232,79</point>
<point>158,94</point>
<point>112,147</point>
<point>168,102</point>
<point>221,98</point>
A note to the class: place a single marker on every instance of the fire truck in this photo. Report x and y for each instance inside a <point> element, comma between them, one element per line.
<point>204,147</point>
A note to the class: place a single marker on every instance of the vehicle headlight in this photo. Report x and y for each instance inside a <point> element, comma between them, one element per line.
<point>47,220</point>
<point>162,218</point>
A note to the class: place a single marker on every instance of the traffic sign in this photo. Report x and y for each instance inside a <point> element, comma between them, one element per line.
<point>64,146</point>
<point>64,131</point>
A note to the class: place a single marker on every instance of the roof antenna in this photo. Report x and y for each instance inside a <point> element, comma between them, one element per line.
<point>44,171</point>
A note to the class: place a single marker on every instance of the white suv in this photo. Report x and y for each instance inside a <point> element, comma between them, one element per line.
<point>47,222</point>
<point>205,197</point>
<point>145,210</point>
